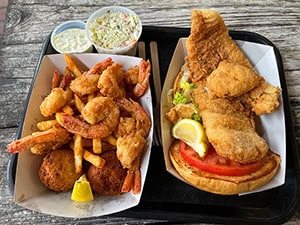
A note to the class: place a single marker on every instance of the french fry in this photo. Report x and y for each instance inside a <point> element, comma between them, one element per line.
<point>46,125</point>
<point>78,103</point>
<point>58,118</point>
<point>78,152</point>
<point>96,160</point>
<point>72,65</point>
<point>84,149</point>
<point>97,146</point>
<point>67,109</point>
<point>111,140</point>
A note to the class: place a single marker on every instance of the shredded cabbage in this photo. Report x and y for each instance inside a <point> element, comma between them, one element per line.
<point>197,117</point>
<point>179,99</point>
<point>187,86</point>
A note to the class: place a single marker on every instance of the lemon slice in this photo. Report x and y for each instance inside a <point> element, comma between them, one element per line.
<point>82,191</point>
<point>192,133</point>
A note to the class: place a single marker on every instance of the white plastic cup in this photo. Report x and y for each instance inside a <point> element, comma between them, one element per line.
<point>127,50</point>
<point>69,25</point>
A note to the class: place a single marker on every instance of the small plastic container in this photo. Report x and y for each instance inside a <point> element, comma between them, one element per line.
<point>129,49</point>
<point>70,37</point>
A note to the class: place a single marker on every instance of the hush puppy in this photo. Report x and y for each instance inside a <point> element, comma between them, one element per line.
<point>109,179</point>
<point>57,170</point>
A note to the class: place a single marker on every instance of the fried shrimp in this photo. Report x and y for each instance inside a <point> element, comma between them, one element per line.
<point>84,85</point>
<point>137,112</point>
<point>87,83</point>
<point>111,82</point>
<point>99,67</point>
<point>92,119</point>
<point>129,148</point>
<point>57,99</point>
<point>132,132</point>
<point>101,109</point>
<point>42,142</point>
<point>126,126</point>
<point>101,117</point>
<point>137,79</point>
<point>143,79</point>
<point>133,179</point>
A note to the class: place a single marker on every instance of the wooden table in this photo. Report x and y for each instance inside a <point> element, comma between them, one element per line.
<point>29,22</point>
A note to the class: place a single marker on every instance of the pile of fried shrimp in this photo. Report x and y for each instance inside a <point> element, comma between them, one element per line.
<point>90,111</point>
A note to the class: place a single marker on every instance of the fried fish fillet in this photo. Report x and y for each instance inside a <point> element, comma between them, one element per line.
<point>229,91</point>
<point>232,80</point>
<point>230,128</point>
<point>211,51</point>
<point>209,43</point>
<point>262,99</point>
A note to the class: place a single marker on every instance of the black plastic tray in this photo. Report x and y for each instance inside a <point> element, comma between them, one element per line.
<point>167,198</point>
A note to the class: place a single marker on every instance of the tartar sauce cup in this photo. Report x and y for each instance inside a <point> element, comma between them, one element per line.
<point>70,37</point>
<point>114,30</point>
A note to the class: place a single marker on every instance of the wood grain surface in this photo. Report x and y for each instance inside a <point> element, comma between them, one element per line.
<point>29,22</point>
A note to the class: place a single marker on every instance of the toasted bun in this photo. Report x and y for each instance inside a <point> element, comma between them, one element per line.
<point>224,185</point>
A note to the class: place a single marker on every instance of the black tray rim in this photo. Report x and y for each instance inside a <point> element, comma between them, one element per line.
<point>177,217</point>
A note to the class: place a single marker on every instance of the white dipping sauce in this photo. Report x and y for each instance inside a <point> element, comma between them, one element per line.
<point>71,41</point>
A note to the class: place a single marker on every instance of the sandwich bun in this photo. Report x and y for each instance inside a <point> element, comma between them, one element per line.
<point>224,185</point>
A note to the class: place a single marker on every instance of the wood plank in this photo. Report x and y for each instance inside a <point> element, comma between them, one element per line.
<point>29,22</point>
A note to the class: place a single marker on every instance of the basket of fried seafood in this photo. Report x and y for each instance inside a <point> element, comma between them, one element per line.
<point>86,136</point>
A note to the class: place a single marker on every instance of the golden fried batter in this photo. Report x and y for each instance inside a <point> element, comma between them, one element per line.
<point>101,109</point>
<point>232,133</point>
<point>84,84</point>
<point>232,80</point>
<point>181,111</point>
<point>57,170</point>
<point>228,89</point>
<point>230,128</point>
<point>57,99</point>
<point>263,99</point>
<point>109,179</point>
<point>209,43</point>
<point>111,83</point>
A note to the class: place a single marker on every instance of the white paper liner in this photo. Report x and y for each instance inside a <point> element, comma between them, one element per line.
<point>29,191</point>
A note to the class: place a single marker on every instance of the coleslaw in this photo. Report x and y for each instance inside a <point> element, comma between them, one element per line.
<point>114,29</point>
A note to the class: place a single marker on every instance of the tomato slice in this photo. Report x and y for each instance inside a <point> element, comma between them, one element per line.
<point>216,164</point>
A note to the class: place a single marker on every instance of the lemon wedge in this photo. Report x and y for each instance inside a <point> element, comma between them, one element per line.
<point>82,191</point>
<point>192,133</point>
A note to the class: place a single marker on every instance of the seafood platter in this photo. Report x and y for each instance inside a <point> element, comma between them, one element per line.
<point>86,133</point>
